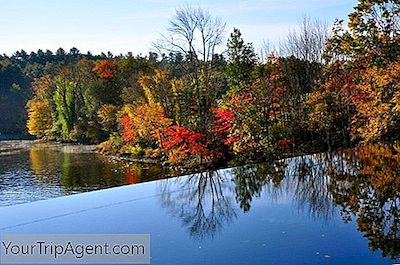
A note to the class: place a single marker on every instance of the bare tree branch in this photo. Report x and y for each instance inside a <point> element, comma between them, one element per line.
<point>307,42</point>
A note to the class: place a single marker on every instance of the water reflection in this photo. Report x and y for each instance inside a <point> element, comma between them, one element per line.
<point>250,180</point>
<point>361,184</point>
<point>136,173</point>
<point>42,171</point>
<point>72,171</point>
<point>307,178</point>
<point>372,195</point>
<point>203,202</point>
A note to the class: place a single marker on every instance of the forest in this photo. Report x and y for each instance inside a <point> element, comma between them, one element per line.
<point>198,99</point>
<point>18,72</point>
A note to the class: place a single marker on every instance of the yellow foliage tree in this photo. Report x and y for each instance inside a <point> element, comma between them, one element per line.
<point>157,87</point>
<point>39,117</point>
<point>143,125</point>
<point>377,103</point>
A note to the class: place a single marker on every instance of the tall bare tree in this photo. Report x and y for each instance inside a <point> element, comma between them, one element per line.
<point>195,34</point>
<point>306,42</point>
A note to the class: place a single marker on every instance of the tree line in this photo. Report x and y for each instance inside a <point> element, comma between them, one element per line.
<point>18,71</point>
<point>191,102</point>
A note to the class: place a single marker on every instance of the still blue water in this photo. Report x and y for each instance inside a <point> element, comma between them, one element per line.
<point>336,208</point>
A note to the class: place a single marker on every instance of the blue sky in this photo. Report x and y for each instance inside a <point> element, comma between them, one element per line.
<point>120,26</point>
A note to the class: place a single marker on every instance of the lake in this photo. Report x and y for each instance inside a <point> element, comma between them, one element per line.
<point>330,208</point>
<point>30,171</point>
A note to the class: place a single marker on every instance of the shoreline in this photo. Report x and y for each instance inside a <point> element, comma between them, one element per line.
<point>8,147</point>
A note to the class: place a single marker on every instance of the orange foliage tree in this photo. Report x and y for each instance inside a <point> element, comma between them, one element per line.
<point>106,69</point>
<point>143,126</point>
<point>377,104</point>
<point>369,50</point>
<point>330,108</point>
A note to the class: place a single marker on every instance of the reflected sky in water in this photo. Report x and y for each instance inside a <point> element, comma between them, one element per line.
<point>331,208</point>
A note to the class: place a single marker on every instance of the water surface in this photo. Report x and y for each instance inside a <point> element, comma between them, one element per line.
<point>331,208</point>
<point>31,171</point>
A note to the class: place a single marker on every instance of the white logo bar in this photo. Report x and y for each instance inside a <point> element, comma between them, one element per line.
<point>75,249</point>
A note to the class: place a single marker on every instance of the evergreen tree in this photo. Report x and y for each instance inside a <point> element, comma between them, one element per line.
<point>242,61</point>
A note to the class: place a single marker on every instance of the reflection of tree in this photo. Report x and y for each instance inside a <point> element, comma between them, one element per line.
<point>73,171</point>
<point>308,180</point>
<point>250,180</point>
<point>79,171</point>
<point>372,196</point>
<point>302,179</point>
<point>202,201</point>
<point>87,171</point>
<point>136,173</point>
<point>44,162</point>
<point>363,182</point>
<point>132,175</point>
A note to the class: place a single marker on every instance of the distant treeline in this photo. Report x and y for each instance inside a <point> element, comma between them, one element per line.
<point>189,103</point>
<point>16,75</point>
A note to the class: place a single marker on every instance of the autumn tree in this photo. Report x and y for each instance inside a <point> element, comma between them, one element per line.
<point>105,69</point>
<point>40,111</point>
<point>157,88</point>
<point>377,104</point>
<point>195,34</point>
<point>330,109</point>
<point>108,86</point>
<point>255,120</point>
<point>373,35</point>
<point>131,68</point>
<point>182,144</point>
<point>39,118</point>
<point>107,115</point>
<point>143,128</point>
<point>369,49</point>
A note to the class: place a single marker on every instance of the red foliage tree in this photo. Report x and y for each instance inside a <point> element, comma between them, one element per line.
<point>105,69</point>
<point>223,125</point>
<point>127,124</point>
<point>181,143</point>
<point>224,120</point>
